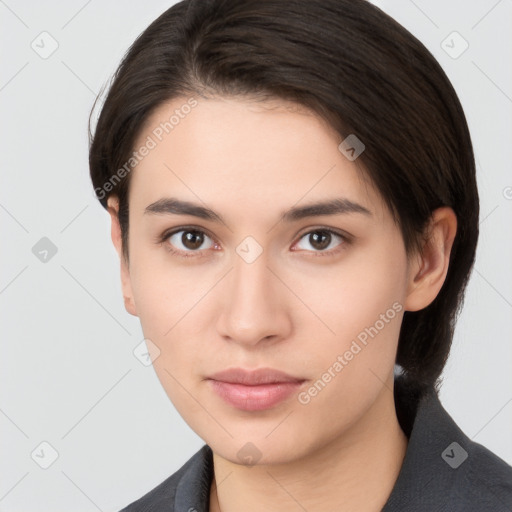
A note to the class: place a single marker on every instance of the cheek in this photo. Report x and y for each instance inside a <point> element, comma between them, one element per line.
<point>163,291</point>
<point>365,311</point>
<point>167,306</point>
<point>354,294</point>
<point>371,289</point>
<point>172,303</point>
<point>361,303</point>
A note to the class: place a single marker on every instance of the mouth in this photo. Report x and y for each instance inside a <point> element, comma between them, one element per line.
<point>254,390</point>
<point>254,377</point>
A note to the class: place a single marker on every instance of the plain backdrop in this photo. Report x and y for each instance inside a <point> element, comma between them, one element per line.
<point>70,379</point>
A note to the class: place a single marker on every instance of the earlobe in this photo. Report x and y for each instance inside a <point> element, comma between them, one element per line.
<point>428,270</point>
<point>113,209</point>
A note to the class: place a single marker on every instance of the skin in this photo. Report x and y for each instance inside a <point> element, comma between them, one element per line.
<point>295,308</point>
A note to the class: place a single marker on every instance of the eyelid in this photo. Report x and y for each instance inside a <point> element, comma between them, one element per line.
<point>339,232</point>
<point>171,231</point>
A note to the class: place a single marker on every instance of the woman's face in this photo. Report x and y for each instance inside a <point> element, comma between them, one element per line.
<point>319,297</point>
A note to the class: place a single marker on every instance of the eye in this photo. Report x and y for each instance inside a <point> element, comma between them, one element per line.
<point>321,239</point>
<point>190,242</point>
<point>186,240</point>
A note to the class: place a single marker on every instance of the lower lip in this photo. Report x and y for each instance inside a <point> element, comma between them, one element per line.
<point>254,398</point>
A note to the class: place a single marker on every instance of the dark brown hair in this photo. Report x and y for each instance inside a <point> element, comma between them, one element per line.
<point>357,68</point>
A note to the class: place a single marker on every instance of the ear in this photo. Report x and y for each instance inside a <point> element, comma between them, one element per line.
<point>113,210</point>
<point>427,271</point>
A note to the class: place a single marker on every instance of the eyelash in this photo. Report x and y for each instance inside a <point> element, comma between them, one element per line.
<point>346,239</point>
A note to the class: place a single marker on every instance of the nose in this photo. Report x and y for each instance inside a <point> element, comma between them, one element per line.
<point>255,305</point>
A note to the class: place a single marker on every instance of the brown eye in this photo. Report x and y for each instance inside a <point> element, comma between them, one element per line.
<point>192,239</point>
<point>322,239</point>
<point>188,240</point>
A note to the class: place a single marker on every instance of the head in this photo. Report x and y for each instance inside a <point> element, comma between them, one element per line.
<point>240,108</point>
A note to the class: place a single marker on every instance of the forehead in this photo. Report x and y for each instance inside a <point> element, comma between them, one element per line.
<point>244,151</point>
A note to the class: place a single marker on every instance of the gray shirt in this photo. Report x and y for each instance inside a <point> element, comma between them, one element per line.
<point>443,470</point>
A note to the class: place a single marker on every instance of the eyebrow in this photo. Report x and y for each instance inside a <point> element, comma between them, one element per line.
<point>171,205</point>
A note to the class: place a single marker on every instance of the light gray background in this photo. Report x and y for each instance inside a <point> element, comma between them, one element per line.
<point>69,376</point>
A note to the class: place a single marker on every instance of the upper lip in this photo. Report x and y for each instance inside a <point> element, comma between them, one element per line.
<point>253,377</point>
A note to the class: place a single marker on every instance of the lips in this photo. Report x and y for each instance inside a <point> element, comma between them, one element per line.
<point>254,390</point>
<point>253,377</point>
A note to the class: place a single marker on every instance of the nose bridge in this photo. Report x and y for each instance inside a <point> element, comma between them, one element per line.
<point>251,284</point>
<point>253,310</point>
<point>250,272</point>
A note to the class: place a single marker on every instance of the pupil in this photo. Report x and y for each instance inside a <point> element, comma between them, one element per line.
<point>315,237</point>
<point>192,239</point>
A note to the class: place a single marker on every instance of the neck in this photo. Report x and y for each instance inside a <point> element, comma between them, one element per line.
<point>354,472</point>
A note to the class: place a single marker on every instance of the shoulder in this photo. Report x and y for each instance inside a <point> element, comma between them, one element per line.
<point>163,496</point>
<point>444,469</point>
<point>474,479</point>
<point>487,479</point>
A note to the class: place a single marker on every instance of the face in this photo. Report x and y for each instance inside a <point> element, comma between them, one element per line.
<point>318,294</point>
